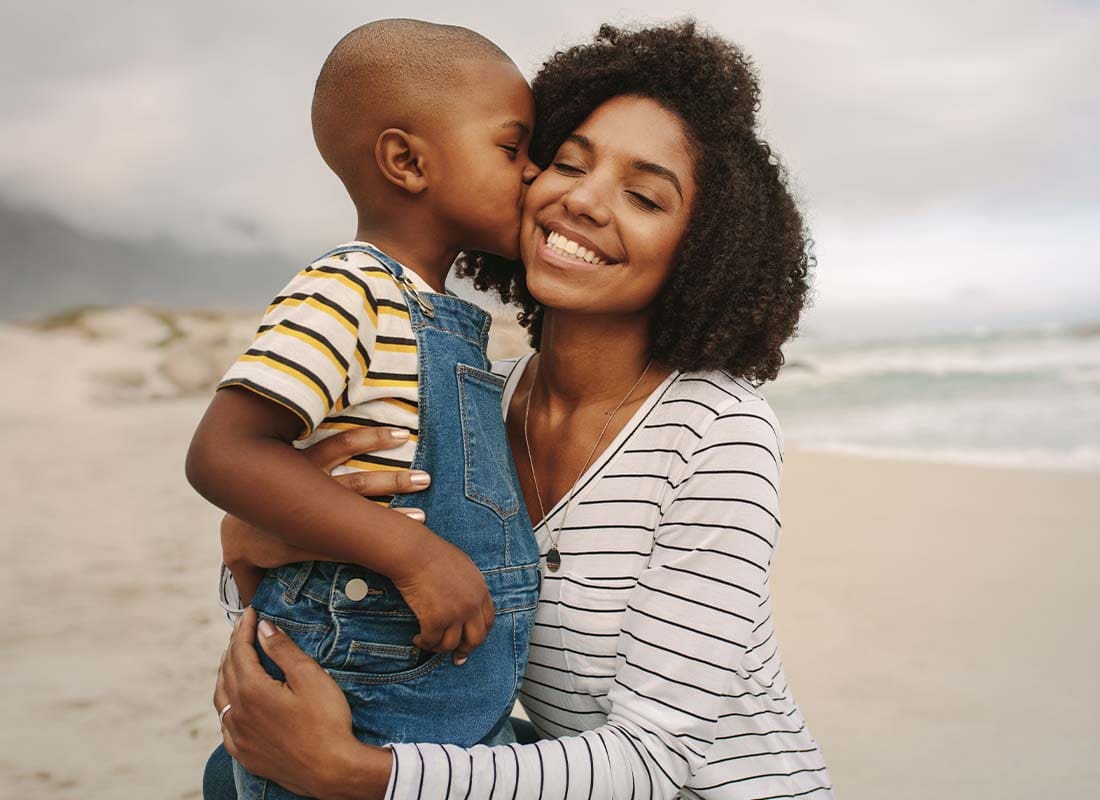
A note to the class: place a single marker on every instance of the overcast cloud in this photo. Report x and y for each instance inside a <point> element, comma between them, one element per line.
<point>944,152</point>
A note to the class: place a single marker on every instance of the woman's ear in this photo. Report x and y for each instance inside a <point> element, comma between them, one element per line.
<point>400,159</point>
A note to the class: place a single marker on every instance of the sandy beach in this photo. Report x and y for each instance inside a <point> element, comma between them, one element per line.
<point>939,622</point>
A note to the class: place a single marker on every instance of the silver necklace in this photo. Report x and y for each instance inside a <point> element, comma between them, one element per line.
<point>553,557</point>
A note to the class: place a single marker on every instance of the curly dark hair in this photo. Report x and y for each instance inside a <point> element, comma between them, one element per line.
<point>742,273</point>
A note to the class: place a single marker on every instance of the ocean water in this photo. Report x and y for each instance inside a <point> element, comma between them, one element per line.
<point>1026,399</point>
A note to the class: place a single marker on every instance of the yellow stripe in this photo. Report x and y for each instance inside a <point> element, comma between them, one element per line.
<point>299,377</point>
<point>407,405</point>
<point>395,348</point>
<point>367,466</point>
<point>344,279</point>
<point>312,303</point>
<point>351,426</point>
<point>389,383</point>
<point>393,312</point>
<point>316,345</point>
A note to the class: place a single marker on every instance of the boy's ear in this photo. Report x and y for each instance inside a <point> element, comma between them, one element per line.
<point>400,159</point>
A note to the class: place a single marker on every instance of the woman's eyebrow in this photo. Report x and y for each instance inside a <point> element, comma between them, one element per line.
<point>642,166</point>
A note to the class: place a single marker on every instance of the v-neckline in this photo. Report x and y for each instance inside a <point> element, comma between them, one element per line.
<point>580,486</point>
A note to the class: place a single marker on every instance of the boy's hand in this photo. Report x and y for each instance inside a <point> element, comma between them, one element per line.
<point>450,599</point>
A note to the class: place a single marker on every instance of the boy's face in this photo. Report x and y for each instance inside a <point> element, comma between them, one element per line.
<point>481,158</point>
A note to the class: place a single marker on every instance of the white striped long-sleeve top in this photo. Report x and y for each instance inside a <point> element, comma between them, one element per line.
<point>654,668</point>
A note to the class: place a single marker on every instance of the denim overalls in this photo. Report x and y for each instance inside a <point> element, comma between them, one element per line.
<point>354,622</point>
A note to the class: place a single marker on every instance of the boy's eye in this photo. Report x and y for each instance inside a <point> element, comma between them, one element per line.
<point>567,169</point>
<point>511,149</point>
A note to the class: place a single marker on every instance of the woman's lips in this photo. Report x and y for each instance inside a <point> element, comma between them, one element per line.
<point>573,246</point>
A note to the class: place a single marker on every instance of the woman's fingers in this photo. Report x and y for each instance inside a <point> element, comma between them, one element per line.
<point>337,449</point>
<point>377,483</point>
<point>298,668</point>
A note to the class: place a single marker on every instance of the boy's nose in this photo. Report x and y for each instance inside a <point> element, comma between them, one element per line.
<point>530,172</point>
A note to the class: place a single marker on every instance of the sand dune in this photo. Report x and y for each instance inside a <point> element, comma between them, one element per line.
<point>938,623</point>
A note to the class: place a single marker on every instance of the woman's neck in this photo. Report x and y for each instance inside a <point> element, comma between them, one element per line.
<point>586,359</point>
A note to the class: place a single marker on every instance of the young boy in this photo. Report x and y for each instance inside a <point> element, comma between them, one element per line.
<point>427,127</point>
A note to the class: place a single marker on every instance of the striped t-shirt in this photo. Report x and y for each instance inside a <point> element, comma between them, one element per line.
<point>654,667</point>
<point>336,347</point>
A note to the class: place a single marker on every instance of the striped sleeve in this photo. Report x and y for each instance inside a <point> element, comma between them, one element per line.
<point>684,635</point>
<point>315,339</point>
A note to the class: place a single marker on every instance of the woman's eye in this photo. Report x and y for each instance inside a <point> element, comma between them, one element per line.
<point>645,202</point>
<point>568,169</point>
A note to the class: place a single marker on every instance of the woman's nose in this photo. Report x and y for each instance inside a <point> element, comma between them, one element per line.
<point>584,200</point>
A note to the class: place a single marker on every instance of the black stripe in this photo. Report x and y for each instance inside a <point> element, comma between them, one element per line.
<point>722,389</point>
<point>704,576</point>
<point>674,425</point>
<point>368,295</point>
<point>748,561</point>
<point>796,794</point>
<point>309,374</point>
<point>542,771</point>
<point>758,733</point>
<point>450,771</point>
<point>720,610</point>
<point>738,444</point>
<point>380,339</point>
<point>766,775</point>
<point>677,653</point>
<point>763,508</point>
<point>470,785</point>
<point>370,458</point>
<point>420,788</point>
<point>573,630</point>
<point>591,768</point>
<point>619,500</point>
<point>688,628</point>
<point>386,303</point>
<point>320,298</point>
<point>765,420</point>
<point>767,753</point>
<point>692,402</point>
<point>565,760</point>
<point>547,719</point>
<point>764,539</point>
<point>645,761</point>
<point>515,755</point>
<point>393,376</point>
<point>575,582</point>
<point>645,696</point>
<point>663,676</point>
<point>369,423</point>
<point>317,337</point>
<point>657,450</point>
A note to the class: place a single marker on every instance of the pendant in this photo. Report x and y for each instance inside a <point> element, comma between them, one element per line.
<point>553,559</point>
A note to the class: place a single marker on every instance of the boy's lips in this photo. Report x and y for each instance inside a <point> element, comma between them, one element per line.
<point>568,244</point>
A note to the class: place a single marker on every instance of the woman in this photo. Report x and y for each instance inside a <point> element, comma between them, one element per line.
<point>665,265</point>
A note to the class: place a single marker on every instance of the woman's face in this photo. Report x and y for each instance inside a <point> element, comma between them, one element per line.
<point>602,224</point>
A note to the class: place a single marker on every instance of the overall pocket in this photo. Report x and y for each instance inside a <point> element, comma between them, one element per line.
<point>489,477</point>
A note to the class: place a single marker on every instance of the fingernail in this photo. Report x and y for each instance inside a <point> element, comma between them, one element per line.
<point>459,662</point>
<point>267,630</point>
<point>416,514</point>
<point>400,434</point>
<point>418,478</point>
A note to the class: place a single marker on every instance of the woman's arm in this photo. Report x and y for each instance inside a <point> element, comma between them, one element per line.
<point>712,552</point>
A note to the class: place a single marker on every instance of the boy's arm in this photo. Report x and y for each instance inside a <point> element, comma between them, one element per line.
<point>242,460</point>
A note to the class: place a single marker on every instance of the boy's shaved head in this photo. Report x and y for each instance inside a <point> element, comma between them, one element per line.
<point>389,73</point>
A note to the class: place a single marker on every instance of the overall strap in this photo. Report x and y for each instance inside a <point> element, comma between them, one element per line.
<point>391,266</point>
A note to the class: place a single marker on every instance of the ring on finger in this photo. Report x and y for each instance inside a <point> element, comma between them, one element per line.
<point>224,710</point>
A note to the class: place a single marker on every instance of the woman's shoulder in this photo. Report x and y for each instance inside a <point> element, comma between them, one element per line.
<point>704,398</point>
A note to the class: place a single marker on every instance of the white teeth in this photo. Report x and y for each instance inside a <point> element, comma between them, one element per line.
<point>562,244</point>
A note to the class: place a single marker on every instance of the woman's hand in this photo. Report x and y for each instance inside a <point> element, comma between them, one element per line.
<point>296,733</point>
<point>246,550</point>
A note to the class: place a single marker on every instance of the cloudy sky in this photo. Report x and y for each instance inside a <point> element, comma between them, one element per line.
<point>945,153</point>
